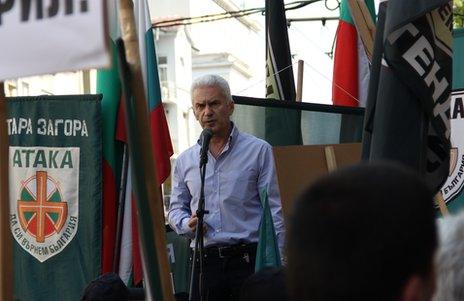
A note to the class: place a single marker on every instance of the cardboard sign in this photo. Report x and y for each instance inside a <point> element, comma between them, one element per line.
<point>40,37</point>
<point>299,166</point>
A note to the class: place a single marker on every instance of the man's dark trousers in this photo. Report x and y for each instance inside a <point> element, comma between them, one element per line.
<point>225,269</point>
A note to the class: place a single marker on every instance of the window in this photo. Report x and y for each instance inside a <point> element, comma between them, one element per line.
<point>163,68</point>
<point>162,60</point>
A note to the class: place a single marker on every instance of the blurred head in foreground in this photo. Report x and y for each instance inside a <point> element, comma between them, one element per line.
<point>363,233</point>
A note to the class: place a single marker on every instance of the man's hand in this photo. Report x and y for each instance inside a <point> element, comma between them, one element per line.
<point>192,223</point>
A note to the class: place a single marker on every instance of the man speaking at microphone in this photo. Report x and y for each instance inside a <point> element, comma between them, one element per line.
<point>239,167</point>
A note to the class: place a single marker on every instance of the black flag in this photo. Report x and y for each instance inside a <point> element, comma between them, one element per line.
<point>409,113</point>
<point>283,126</point>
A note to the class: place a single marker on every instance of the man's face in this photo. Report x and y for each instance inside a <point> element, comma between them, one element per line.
<point>212,109</point>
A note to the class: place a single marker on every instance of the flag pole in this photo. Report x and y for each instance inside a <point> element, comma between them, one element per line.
<point>364,24</point>
<point>376,63</point>
<point>121,208</point>
<point>440,201</point>
<point>330,158</point>
<point>6,255</point>
<point>299,82</point>
<point>149,205</point>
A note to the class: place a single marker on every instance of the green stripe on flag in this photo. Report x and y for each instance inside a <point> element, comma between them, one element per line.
<point>109,85</point>
<point>154,89</point>
<point>345,12</point>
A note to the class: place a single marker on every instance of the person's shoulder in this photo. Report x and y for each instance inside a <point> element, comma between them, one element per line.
<point>189,153</point>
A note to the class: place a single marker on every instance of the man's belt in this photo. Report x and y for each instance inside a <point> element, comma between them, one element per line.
<point>231,250</point>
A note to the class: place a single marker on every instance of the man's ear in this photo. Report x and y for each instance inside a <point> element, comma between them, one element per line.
<point>418,288</point>
<point>231,107</point>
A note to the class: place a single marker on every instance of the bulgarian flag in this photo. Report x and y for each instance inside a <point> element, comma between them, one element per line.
<point>160,138</point>
<point>109,85</point>
<point>351,67</point>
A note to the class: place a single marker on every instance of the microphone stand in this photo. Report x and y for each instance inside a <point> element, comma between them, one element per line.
<point>199,235</point>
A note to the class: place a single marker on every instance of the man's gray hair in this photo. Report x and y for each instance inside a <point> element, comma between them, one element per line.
<point>450,259</point>
<point>212,80</point>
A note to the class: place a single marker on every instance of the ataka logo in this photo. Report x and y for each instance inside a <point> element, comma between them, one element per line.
<point>44,198</point>
<point>42,213</point>
<point>455,182</point>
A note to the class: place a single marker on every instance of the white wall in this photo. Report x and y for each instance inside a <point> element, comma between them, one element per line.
<point>52,84</point>
<point>230,36</point>
<point>166,8</point>
<point>233,37</point>
<point>173,44</point>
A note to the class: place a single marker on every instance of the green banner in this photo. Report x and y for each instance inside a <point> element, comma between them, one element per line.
<point>55,194</point>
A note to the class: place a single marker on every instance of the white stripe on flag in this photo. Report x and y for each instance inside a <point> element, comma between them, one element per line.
<point>125,255</point>
<point>113,20</point>
<point>363,74</point>
<point>143,24</point>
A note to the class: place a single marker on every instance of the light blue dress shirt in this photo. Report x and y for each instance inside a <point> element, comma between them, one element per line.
<point>233,182</point>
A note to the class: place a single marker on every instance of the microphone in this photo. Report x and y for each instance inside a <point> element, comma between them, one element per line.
<point>205,139</point>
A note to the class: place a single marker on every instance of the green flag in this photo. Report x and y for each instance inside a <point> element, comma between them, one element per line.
<point>283,126</point>
<point>267,253</point>
<point>55,194</point>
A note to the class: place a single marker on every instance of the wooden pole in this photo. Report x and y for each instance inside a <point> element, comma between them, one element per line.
<point>299,84</point>
<point>150,212</point>
<point>364,24</point>
<point>6,254</point>
<point>441,204</point>
<point>330,158</point>
<point>86,82</point>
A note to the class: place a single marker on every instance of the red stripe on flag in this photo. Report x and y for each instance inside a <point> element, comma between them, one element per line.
<point>121,123</point>
<point>345,79</point>
<point>109,218</point>
<point>161,142</point>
